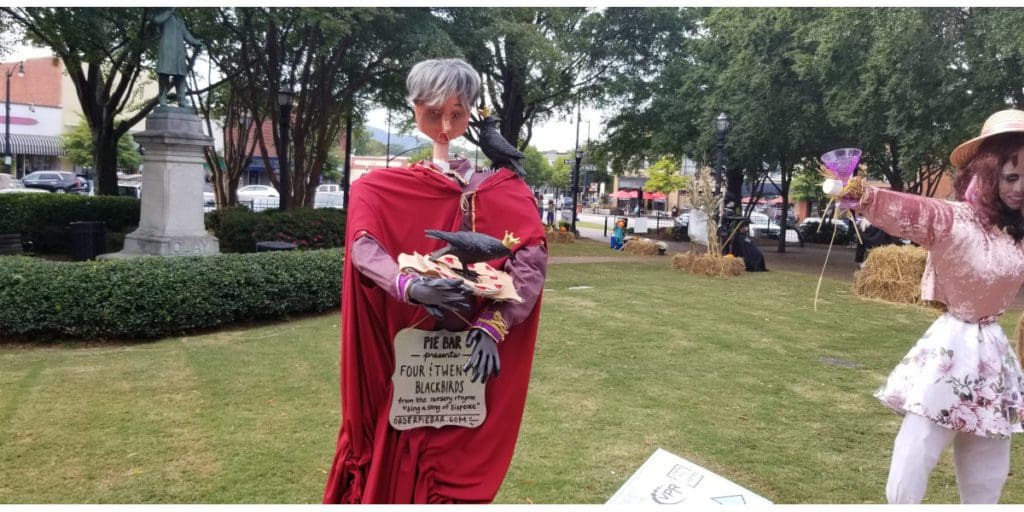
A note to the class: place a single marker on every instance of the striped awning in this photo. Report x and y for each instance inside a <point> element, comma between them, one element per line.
<point>21,144</point>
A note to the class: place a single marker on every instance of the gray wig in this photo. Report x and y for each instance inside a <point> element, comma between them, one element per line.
<point>434,81</point>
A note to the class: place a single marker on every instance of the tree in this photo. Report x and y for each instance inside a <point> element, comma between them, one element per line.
<point>105,52</point>
<point>367,61</point>
<point>537,167</point>
<point>892,87</point>
<point>561,170</point>
<point>423,153</point>
<point>537,63</point>
<point>664,176</point>
<point>364,144</point>
<point>80,149</point>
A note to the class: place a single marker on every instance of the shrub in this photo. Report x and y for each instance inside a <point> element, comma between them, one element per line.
<point>239,229</point>
<point>149,297</point>
<point>44,218</point>
<point>23,213</point>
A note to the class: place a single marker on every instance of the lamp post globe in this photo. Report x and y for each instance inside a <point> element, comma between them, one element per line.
<point>721,125</point>
<point>284,101</point>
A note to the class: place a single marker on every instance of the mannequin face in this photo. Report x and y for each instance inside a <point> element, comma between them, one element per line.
<point>1011,182</point>
<point>442,123</point>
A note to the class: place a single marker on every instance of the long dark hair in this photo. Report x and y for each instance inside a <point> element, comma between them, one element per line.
<point>985,167</point>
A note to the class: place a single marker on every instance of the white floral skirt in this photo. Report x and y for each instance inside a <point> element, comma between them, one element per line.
<point>962,376</point>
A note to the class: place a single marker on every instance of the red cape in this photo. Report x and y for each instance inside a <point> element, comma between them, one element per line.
<point>375,463</point>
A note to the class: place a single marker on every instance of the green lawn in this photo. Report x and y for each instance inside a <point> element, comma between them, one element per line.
<point>727,373</point>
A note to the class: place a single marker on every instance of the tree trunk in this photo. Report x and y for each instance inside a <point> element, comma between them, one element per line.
<point>895,174</point>
<point>786,178</point>
<point>105,163</point>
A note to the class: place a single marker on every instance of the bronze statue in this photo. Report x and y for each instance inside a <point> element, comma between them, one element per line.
<point>172,63</point>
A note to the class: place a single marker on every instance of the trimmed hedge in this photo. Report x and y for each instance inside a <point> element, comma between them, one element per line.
<point>310,228</point>
<point>151,297</point>
<point>28,213</point>
<point>44,218</point>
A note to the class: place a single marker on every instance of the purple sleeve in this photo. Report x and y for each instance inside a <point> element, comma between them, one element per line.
<point>528,269</point>
<point>372,261</point>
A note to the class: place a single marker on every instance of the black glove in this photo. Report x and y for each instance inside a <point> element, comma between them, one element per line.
<point>484,361</point>
<point>435,293</point>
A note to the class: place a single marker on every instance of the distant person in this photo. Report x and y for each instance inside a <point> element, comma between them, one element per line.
<point>551,213</point>
<point>742,247</point>
<point>675,211</point>
<point>618,235</point>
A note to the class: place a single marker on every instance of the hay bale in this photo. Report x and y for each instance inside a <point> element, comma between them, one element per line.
<point>708,264</point>
<point>560,237</point>
<point>640,247</point>
<point>892,273</point>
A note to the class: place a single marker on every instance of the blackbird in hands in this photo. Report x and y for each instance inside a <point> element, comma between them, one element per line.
<point>501,153</point>
<point>469,246</point>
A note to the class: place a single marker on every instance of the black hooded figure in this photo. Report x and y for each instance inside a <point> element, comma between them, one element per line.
<point>742,247</point>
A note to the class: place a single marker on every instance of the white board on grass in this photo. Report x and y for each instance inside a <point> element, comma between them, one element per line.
<point>668,479</point>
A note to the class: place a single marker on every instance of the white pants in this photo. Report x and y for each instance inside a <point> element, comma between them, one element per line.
<point>982,463</point>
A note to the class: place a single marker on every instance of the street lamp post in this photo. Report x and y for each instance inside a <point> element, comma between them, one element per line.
<point>7,115</point>
<point>721,130</point>
<point>576,185</point>
<point>284,100</point>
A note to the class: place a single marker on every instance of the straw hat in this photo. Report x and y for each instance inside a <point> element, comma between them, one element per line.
<point>1004,121</point>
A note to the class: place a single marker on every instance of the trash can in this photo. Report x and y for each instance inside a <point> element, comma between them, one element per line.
<point>88,240</point>
<point>275,246</point>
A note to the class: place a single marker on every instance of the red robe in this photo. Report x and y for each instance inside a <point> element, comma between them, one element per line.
<point>375,463</point>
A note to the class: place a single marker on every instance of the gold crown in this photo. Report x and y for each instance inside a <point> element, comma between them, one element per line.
<point>484,111</point>
<point>510,240</point>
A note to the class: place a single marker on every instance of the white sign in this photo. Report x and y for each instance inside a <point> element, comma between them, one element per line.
<point>697,229</point>
<point>430,388</point>
<point>640,225</point>
<point>667,479</point>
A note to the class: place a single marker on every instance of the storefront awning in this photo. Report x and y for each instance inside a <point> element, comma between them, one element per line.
<point>44,145</point>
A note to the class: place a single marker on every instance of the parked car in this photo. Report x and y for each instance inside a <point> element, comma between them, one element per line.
<point>761,225</point>
<point>329,195</point>
<point>681,225</point>
<point>209,199</point>
<point>259,197</point>
<point>130,189</point>
<point>812,223</point>
<point>54,181</point>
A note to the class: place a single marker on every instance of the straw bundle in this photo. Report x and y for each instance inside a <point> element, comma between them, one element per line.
<point>708,264</point>
<point>560,237</point>
<point>892,273</point>
<point>640,247</point>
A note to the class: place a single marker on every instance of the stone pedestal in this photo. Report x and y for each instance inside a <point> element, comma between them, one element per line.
<point>171,221</point>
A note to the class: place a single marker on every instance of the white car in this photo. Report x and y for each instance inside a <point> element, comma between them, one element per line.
<point>329,195</point>
<point>761,225</point>
<point>259,197</point>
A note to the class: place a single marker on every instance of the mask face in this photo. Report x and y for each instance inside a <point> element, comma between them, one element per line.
<point>442,123</point>
<point>1011,182</point>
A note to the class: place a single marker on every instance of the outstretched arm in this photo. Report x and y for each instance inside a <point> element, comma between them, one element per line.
<point>923,220</point>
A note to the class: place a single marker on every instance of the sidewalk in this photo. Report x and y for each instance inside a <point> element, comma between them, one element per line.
<point>807,259</point>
